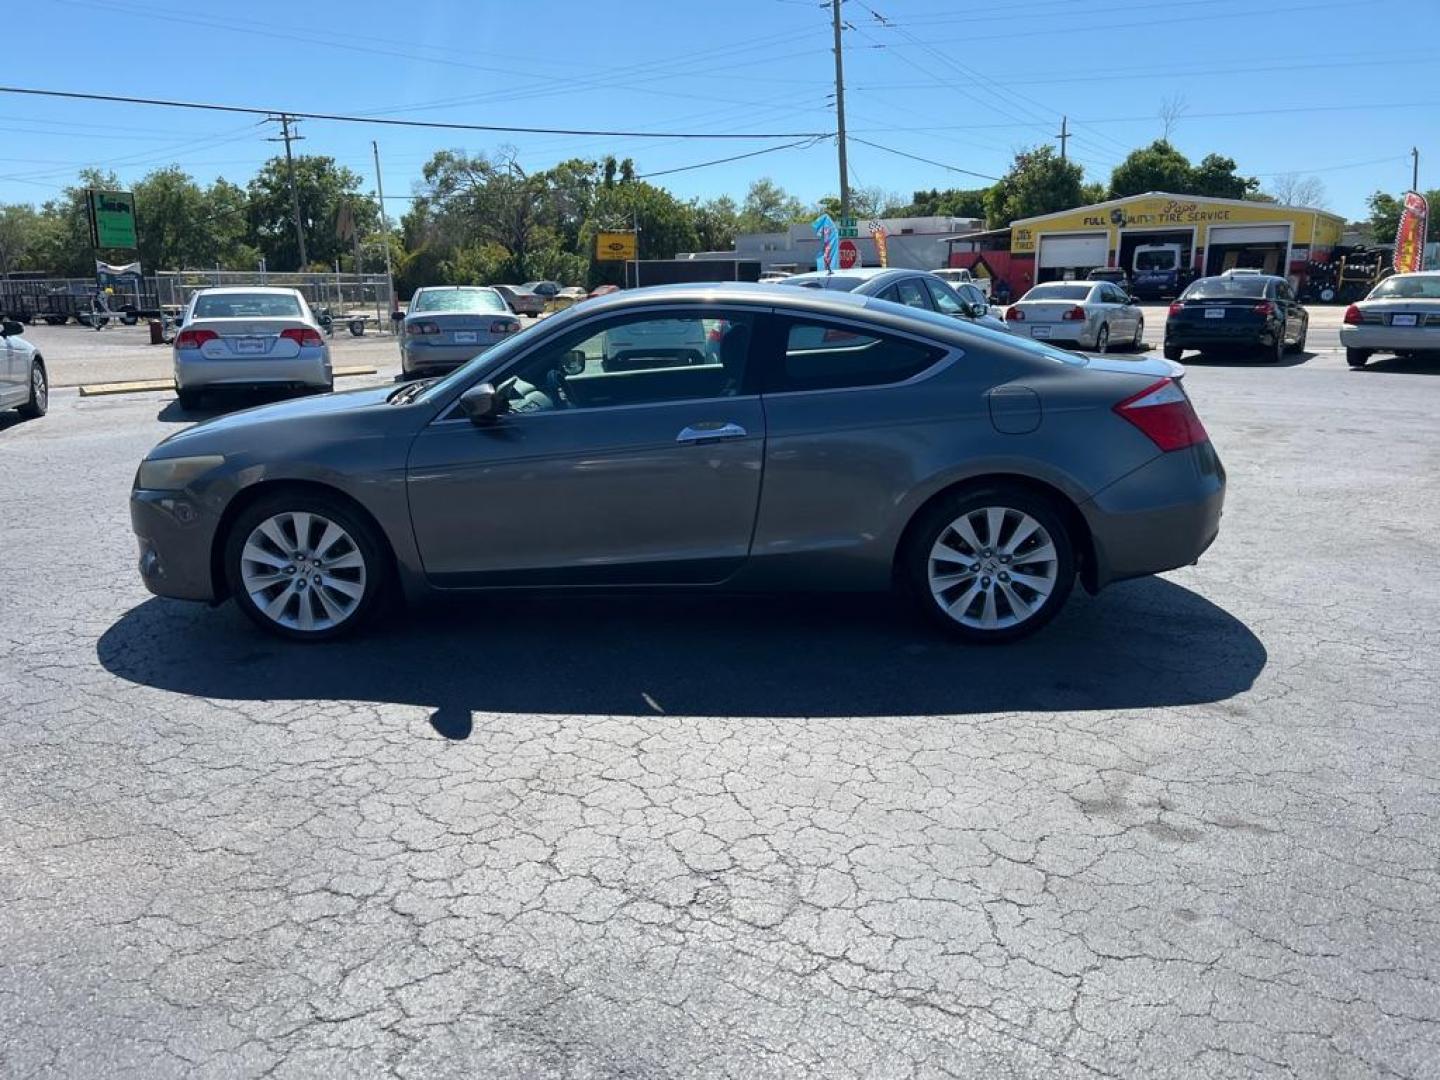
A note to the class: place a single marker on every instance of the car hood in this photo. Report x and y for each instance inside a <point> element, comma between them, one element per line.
<point>257,425</point>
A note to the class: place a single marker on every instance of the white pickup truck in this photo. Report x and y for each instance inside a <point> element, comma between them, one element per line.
<point>956,276</point>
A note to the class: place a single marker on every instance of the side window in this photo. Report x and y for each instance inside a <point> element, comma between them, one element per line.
<point>1282,290</point>
<point>945,299</point>
<point>911,293</point>
<point>827,357</point>
<point>634,360</point>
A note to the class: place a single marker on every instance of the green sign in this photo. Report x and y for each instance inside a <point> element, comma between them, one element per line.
<point>112,219</point>
<point>848,227</point>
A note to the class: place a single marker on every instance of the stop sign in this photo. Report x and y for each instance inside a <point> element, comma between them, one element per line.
<point>849,254</point>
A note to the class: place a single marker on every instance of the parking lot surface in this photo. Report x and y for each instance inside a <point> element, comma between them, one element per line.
<point>1187,831</point>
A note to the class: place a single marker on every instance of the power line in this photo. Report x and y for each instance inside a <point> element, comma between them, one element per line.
<point>726,160</point>
<point>927,161</point>
<point>343,118</point>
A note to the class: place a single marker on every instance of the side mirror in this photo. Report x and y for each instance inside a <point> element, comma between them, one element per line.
<point>482,403</point>
<point>10,328</point>
<point>973,311</point>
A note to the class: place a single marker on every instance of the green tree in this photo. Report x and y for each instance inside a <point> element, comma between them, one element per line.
<point>1215,177</point>
<point>22,238</point>
<point>769,208</point>
<point>717,221</point>
<point>1385,215</point>
<point>65,235</point>
<point>323,187</point>
<point>172,221</point>
<point>953,202</point>
<point>1157,167</point>
<point>1038,182</point>
<point>865,202</point>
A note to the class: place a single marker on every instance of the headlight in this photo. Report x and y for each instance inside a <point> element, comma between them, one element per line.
<point>172,474</point>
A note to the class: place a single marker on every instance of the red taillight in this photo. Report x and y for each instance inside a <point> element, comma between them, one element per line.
<point>1176,308</point>
<point>1165,415</point>
<point>1265,308</point>
<point>303,336</point>
<point>1014,314</point>
<point>193,339</point>
<point>504,326</point>
<point>1075,314</point>
<point>1353,316</point>
<point>420,326</point>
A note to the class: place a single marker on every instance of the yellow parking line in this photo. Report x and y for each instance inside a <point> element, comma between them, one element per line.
<point>142,386</point>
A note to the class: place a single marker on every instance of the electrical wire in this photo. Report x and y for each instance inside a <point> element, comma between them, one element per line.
<point>726,160</point>
<point>344,118</point>
<point>927,161</point>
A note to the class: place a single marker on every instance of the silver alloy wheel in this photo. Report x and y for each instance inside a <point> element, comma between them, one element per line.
<point>39,390</point>
<point>1139,341</point>
<point>303,571</point>
<point>992,568</point>
<point>1102,339</point>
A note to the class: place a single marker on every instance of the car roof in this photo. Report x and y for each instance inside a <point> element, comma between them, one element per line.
<point>864,273</point>
<point>221,290</point>
<point>443,288</point>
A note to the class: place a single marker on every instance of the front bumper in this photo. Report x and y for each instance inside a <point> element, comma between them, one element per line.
<point>313,372</point>
<point>1159,517</point>
<point>1391,338</point>
<point>175,537</point>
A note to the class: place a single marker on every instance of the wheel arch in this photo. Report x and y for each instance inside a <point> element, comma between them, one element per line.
<point>1075,523</point>
<point>249,496</point>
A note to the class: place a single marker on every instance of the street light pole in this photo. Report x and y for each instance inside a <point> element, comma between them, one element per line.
<point>384,224</point>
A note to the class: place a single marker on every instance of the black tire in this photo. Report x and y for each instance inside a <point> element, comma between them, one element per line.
<point>189,399</point>
<point>1277,351</point>
<point>1299,346</point>
<point>39,403</point>
<point>1102,339</point>
<point>376,565</point>
<point>1137,343</point>
<point>937,521</point>
<point>54,320</point>
<point>1173,352</point>
<point>1356,357</point>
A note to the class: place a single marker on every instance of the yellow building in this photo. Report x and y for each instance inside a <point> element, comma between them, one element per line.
<point>1142,234</point>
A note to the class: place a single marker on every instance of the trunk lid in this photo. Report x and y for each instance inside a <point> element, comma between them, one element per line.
<point>253,337</point>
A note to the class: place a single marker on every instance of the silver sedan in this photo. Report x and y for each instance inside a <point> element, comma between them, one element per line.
<point>1401,315</point>
<point>1087,314</point>
<point>447,325</point>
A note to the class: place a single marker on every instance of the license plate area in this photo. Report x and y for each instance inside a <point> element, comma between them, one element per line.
<point>1039,331</point>
<point>1403,320</point>
<point>1214,313</point>
<point>465,337</point>
<point>248,346</point>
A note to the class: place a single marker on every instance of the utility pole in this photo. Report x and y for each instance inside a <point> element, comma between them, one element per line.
<point>287,138</point>
<point>1064,135</point>
<point>384,224</point>
<point>840,110</point>
<point>1414,168</point>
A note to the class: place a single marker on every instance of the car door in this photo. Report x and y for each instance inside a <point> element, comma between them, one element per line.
<point>1113,305</point>
<point>637,467</point>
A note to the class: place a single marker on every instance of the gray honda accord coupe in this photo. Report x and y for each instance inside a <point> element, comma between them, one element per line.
<point>795,440</point>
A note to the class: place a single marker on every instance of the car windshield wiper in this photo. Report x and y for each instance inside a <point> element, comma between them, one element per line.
<point>411,391</point>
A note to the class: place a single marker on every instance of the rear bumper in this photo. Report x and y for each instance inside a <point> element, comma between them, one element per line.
<point>1161,516</point>
<point>1074,332</point>
<point>1391,338</point>
<point>416,357</point>
<point>175,537</point>
<point>1189,335</point>
<point>308,371</point>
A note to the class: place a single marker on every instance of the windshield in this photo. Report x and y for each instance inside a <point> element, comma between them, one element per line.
<point>247,305</point>
<point>1408,287</point>
<point>825,281</point>
<point>1057,292</point>
<point>497,355</point>
<point>457,300</point>
<point>1245,287</point>
<point>1156,260</point>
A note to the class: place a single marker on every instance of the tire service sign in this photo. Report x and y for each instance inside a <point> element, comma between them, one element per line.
<point>112,219</point>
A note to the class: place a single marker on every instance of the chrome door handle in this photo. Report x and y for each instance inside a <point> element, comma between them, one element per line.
<point>713,430</point>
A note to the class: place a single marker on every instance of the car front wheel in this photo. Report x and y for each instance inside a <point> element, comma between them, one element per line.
<point>304,566</point>
<point>991,565</point>
<point>1102,339</point>
<point>39,402</point>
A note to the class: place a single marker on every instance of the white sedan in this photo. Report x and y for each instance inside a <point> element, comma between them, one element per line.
<point>1401,315</point>
<point>1088,314</point>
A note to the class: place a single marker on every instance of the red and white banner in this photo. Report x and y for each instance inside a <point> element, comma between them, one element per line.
<point>1410,236</point>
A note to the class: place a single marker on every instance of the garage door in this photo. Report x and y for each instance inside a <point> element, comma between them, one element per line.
<point>1250,234</point>
<point>1061,251</point>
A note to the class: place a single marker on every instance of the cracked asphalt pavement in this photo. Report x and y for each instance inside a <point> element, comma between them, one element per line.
<point>1188,831</point>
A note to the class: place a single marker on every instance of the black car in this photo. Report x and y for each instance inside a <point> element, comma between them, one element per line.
<point>1237,311</point>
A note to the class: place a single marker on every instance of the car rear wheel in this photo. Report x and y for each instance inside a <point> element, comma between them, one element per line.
<point>1356,357</point>
<point>1102,339</point>
<point>991,565</point>
<point>1173,352</point>
<point>39,403</point>
<point>1276,353</point>
<point>304,566</point>
<point>189,399</point>
<point>1138,342</point>
<point>1299,346</point>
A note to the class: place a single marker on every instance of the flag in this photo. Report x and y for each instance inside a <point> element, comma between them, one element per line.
<point>828,257</point>
<point>882,247</point>
<point>1410,236</point>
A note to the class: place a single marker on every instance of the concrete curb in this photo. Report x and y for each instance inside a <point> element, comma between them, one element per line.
<point>143,386</point>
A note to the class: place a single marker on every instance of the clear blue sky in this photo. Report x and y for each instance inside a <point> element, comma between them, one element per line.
<point>963,85</point>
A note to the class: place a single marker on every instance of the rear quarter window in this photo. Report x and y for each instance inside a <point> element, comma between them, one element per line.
<point>830,357</point>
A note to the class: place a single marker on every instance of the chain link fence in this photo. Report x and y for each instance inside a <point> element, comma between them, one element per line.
<point>346,296</point>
